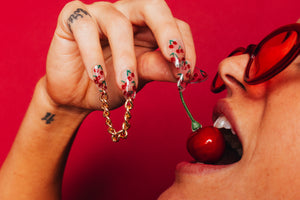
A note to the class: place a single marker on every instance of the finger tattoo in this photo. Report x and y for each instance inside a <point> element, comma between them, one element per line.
<point>79,13</point>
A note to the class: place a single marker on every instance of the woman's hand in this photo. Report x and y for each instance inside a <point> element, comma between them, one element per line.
<point>120,39</point>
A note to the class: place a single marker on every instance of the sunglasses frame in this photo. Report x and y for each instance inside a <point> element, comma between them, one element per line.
<point>253,50</point>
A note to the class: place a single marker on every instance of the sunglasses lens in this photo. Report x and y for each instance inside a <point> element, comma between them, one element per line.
<point>270,54</point>
<point>217,84</point>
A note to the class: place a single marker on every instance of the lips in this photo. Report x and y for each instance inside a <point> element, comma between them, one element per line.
<point>233,148</point>
<point>224,120</point>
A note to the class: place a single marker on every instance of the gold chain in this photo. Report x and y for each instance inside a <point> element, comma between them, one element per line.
<point>122,133</point>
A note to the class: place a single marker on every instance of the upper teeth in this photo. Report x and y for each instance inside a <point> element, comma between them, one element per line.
<point>222,122</point>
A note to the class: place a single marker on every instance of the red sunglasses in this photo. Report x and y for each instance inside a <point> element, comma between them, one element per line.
<point>272,55</point>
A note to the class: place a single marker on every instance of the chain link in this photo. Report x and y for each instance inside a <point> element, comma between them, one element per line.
<point>122,133</point>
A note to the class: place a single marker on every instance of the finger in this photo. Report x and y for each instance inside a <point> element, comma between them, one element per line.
<point>79,24</point>
<point>152,66</point>
<point>188,71</point>
<point>163,26</point>
<point>185,72</point>
<point>119,32</point>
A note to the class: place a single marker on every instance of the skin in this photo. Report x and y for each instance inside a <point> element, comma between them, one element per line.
<point>35,165</point>
<point>99,35</point>
<point>267,119</point>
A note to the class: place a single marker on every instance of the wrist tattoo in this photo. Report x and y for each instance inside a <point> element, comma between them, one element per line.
<point>76,14</point>
<point>49,117</point>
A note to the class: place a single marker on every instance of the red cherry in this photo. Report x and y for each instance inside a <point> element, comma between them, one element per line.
<point>206,145</point>
<point>174,42</point>
<point>171,46</point>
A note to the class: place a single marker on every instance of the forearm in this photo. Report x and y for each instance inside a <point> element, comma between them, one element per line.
<point>34,167</point>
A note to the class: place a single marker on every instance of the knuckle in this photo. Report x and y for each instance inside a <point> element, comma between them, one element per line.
<point>183,25</point>
<point>101,4</point>
<point>151,5</point>
<point>69,8</point>
<point>122,23</point>
<point>71,5</point>
<point>156,1</point>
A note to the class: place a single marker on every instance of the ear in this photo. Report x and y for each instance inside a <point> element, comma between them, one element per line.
<point>298,20</point>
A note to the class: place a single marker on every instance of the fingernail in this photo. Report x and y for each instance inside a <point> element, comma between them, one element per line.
<point>181,85</point>
<point>186,71</point>
<point>98,76</point>
<point>176,53</point>
<point>197,77</point>
<point>128,84</point>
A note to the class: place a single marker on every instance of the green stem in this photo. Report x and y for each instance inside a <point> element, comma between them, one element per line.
<point>195,125</point>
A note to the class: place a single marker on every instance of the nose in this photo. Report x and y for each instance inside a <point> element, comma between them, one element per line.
<point>231,72</point>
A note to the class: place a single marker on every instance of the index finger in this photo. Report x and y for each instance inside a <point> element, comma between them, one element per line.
<point>165,29</point>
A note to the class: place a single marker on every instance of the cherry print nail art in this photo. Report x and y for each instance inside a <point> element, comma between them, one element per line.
<point>176,53</point>
<point>186,70</point>
<point>98,76</point>
<point>197,77</point>
<point>128,84</point>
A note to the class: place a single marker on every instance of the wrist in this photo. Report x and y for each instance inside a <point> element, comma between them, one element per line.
<point>49,109</point>
<point>37,158</point>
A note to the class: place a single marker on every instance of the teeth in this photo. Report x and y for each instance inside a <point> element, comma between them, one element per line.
<point>222,122</point>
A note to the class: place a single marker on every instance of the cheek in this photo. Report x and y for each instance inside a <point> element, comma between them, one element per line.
<point>275,162</point>
<point>276,158</point>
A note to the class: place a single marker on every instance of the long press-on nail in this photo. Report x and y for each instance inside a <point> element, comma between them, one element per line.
<point>98,77</point>
<point>185,71</point>
<point>128,84</point>
<point>176,53</point>
<point>197,77</point>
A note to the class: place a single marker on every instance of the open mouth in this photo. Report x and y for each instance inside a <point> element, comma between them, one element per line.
<point>218,145</point>
<point>233,147</point>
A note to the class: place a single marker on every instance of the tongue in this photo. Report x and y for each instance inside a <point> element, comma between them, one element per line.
<point>230,156</point>
<point>232,148</point>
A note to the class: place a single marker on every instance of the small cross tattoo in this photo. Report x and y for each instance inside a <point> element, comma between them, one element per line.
<point>48,117</point>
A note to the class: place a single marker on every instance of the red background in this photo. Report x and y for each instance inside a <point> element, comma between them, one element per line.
<point>142,166</point>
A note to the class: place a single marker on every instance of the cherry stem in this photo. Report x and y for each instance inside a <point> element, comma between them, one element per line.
<point>195,125</point>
